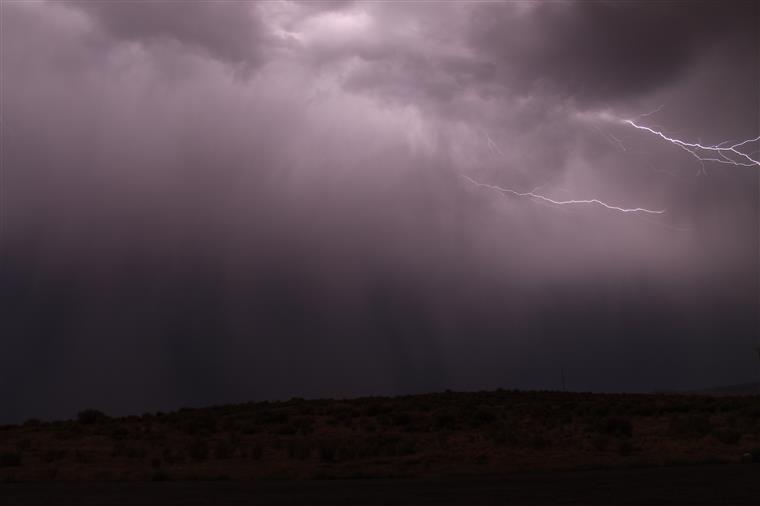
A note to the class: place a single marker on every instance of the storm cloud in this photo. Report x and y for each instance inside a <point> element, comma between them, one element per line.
<point>607,51</point>
<point>224,201</point>
<point>231,34</point>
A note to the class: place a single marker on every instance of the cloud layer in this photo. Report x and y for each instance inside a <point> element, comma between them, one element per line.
<point>240,200</point>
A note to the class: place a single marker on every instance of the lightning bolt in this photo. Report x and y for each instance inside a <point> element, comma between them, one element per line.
<point>545,199</point>
<point>724,152</point>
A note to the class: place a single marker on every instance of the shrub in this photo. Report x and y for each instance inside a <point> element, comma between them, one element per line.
<point>615,426</point>
<point>136,453</point>
<point>406,446</point>
<point>54,454</point>
<point>198,450</point>
<point>728,436</point>
<point>24,444</point>
<point>445,420</point>
<point>304,425</point>
<point>278,417</point>
<point>483,415</point>
<point>374,409</point>
<point>600,442</point>
<point>504,435</point>
<point>119,433</point>
<point>223,450</point>
<point>203,424</point>
<point>327,453</point>
<point>344,413</point>
<point>625,448</point>
<point>692,425</point>
<point>169,456</point>
<point>286,430</point>
<point>539,442</point>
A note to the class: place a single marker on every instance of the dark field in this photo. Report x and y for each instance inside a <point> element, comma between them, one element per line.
<point>422,436</point>
<point>701,485</point>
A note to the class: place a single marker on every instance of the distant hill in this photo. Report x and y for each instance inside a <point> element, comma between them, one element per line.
<point>740,389</point>
<point>442,434</point>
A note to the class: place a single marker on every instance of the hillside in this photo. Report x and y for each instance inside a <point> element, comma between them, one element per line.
<point>730,390</point>
<point>422,436</point>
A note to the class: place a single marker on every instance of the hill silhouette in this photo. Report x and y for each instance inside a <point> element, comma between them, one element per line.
<point>429,435</point>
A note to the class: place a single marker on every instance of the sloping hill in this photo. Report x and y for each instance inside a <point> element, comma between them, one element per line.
<point>422,435</point>
<point>728,390</point>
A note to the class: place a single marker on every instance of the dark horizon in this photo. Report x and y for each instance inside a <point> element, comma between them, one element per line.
<point>234,201</point>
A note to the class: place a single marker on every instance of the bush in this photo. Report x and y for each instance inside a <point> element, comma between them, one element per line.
<point>625,448</point>
<point>286,430</point>
<point>119,433</point>
<point>272,418</point>
<point>300,450</point>
<point>692,425</point>
<point>728,436</point>
<point>482,415</point>
<point>202,424</point>
<point>445,420</point>
<point>374,409</point>
<point>600,442</point>
<point>136,453</point>
<point>198,450</point>
<point>304,425</point>
<point>223,450</point>
<point>53,455</point>
<point>615,426</point>
<point>327,453</point>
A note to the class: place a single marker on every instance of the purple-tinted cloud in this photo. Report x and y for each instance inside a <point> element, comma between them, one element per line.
<point>256,200</point>
<point>230,31</point>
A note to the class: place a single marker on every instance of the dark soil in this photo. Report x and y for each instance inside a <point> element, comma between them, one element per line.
<point>731,485</point>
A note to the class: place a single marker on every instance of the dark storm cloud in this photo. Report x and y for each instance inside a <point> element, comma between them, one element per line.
<point>176,233</point>
<point>230,31</point>
<point>596,53</point>
<point>600,51</point>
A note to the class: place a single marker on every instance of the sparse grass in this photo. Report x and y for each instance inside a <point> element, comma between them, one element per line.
<point>691,425</point>
<point>615,426</point>
<point>444,433</point>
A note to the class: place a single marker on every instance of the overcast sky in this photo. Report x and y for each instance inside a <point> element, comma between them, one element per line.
<point>208,202</point>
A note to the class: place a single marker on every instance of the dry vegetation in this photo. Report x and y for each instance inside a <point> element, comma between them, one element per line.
<point>422,435</point>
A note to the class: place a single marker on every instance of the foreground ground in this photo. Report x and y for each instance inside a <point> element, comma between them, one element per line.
<point>729,485</point>
<point>421,436</point>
